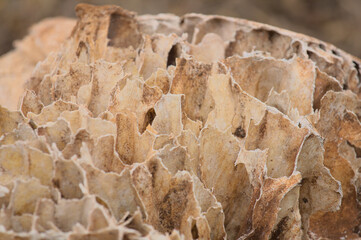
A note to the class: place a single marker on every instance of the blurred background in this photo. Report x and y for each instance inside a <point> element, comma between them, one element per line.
<point>334,21</point>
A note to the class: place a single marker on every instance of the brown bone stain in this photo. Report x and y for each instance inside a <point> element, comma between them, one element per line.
<point>280,228</point>
<point>173,205</point>
<point>240,132</point>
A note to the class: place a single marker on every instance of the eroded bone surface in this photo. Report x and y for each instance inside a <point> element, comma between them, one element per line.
<point>166,127</point>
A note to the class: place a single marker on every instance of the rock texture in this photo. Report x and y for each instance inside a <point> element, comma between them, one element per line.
<point>193,127</point>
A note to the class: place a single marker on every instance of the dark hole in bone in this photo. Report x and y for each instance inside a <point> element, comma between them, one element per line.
<point>149,118</point>
<point>357,230</point>
<point>151,115</point>
<point>272,35</point>
<point>173,54</point>
<point>123,31</point>
<point>335,53</point>
<point>194,231</point>
<point>33,124</point>
<point>240,132</point>
<point>357,67</point>
<point>309,54</point>
<point>322,46</point>
<point>129,216</point>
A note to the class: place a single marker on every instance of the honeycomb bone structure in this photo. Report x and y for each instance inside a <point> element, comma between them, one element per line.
<point>192,127</point>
